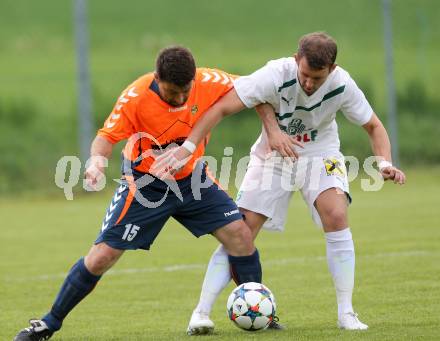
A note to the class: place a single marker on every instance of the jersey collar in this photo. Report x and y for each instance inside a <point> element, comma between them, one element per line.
<point>155,87</point>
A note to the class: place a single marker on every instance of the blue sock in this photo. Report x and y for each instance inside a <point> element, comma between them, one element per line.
<point>246,268</point>
<point>77,285</point>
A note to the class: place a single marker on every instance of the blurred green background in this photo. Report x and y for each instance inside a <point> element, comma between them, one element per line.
<point>38,81</point>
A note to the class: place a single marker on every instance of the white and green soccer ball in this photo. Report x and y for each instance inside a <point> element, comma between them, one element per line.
<point>251,306</point>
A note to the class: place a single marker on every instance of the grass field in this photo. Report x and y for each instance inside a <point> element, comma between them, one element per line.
<point>150,296</point>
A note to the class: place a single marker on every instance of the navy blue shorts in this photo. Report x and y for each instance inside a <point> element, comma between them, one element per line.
<point>135,217</point>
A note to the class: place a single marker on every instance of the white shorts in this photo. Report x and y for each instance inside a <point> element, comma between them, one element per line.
<point>269,184</point>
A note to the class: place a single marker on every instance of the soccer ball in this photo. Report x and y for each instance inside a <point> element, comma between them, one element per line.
<point>251,306</point>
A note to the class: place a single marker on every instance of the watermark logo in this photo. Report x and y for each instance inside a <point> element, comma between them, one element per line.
<point>272,173</point>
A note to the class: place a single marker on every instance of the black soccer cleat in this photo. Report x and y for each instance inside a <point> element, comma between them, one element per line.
<point>275,325</point>
<point>37,331</point>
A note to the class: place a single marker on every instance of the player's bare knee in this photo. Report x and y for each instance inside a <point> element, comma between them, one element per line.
<point>240,239</point>
<point>242,233</point>
<point>103,263</point>
<point>101,258</point>
<point>336,219</point>
<point>254,221</point>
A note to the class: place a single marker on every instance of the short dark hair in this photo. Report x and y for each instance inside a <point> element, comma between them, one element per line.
<point>176,65</point>
<point>319,49</point>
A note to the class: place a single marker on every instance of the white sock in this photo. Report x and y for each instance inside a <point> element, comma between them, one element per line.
<point>341,261</point>
<point>217,277</point>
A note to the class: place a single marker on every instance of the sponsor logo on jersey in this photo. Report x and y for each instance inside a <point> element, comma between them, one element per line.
<point>194,109</point>
<point>178,141</point>
<point>307,137</point>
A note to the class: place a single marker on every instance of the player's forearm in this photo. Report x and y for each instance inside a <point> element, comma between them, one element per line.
<point>209,120</point>
<point>228,105</point>
<point>101,147</point>
<point>267,116</point>
<point>380,143</point>
<point>100,152</point>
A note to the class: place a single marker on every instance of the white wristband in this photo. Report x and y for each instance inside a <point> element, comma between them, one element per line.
<point>189,146</point>
<point>384,164</point>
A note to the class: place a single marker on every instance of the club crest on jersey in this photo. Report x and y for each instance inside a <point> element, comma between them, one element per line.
<point>194,109</point>
<point>295,127</point>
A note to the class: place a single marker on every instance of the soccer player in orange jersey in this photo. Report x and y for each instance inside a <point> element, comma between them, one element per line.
<point>156,112</point>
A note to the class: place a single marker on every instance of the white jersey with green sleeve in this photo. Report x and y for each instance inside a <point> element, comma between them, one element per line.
<point>311,119</point>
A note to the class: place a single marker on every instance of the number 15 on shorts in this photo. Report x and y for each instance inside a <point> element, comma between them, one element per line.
<point>130,232</point>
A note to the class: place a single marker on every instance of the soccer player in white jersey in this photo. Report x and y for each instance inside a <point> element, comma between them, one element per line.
<point>297,99</point>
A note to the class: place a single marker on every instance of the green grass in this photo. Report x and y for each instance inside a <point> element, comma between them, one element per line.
<point>396,232</point>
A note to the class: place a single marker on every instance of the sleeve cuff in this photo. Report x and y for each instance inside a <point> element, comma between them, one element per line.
<point>242,96</point>
<point>368,118</point>
<point>108,137</point>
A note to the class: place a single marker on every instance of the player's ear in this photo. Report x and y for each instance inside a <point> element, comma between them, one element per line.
<point>296,57</point>
<point>156,77</point>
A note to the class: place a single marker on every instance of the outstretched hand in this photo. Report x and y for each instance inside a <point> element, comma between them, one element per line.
<point>394,174</point>
<point>94,173</point>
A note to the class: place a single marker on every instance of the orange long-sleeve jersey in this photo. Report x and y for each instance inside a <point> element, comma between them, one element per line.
<point>141,114</point>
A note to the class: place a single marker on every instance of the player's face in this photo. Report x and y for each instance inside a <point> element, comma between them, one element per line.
<point>173,94</point>
<point>309,78</point>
